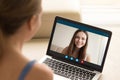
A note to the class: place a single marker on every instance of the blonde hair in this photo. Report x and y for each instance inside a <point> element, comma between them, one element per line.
<point>13,13</point>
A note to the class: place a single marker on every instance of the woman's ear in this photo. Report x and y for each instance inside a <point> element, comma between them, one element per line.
<point>32,22</point>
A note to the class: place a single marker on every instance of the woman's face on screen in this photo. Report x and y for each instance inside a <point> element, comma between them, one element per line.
<point>80,39</point>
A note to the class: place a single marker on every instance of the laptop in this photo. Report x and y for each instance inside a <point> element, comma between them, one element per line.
<point>66,55</point>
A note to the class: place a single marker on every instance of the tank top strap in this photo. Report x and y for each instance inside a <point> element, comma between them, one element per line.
<point>26,69</point>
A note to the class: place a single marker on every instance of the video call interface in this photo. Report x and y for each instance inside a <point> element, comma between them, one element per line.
<point>79,43</point>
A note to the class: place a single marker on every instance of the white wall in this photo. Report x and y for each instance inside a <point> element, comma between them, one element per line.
<point>63,35</point>
<point>96,47</point>
<point>100,2</point>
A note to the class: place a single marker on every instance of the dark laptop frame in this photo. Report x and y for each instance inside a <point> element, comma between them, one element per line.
<point>61,57</point>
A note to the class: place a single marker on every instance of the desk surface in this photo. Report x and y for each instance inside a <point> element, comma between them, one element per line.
<point>36,49</point>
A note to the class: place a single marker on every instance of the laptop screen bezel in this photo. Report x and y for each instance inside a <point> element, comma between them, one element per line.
<point>86,64</point>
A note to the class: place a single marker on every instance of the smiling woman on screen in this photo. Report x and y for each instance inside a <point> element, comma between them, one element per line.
<point>78,46</point>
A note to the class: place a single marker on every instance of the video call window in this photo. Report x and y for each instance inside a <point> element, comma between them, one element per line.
<point>79,44</point>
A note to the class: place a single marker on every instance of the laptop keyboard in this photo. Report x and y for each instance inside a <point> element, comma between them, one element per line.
<point>69,71</point>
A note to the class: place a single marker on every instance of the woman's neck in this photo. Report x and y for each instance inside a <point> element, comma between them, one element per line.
<point>12,53</point>
<point>12,47</point>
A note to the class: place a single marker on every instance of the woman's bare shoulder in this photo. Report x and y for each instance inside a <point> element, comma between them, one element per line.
<point>65,50</point>
<point>40,72</point>
<point>88,57</point>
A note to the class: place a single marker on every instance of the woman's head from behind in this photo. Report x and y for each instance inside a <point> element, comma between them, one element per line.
<point>79,41</point>
<point>19,16</point>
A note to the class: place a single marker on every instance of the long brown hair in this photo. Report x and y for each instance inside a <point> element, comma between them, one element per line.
<point>13,14</point>
<point>71,47</point>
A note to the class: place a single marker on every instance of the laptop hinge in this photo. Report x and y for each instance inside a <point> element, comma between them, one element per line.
<point>83,66</point>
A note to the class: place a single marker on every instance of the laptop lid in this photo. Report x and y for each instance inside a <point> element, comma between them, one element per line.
<point>79,44</point>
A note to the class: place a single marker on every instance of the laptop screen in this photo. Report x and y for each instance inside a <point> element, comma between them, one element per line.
<point>79,42</point>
